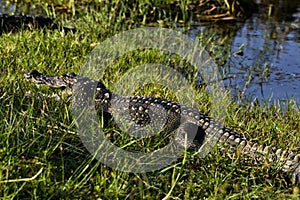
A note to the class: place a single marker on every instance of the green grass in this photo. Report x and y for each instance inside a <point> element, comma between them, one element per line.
<point>38,135</point>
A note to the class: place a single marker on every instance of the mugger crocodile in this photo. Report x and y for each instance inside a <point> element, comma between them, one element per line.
<point>139,108</point>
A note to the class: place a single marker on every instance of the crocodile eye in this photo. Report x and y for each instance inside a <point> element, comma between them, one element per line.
<point>72,74</point>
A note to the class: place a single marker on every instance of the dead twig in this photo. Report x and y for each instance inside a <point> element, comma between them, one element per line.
<point>23,179</point>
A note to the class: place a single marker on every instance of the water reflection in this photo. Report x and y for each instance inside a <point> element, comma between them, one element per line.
<point>267,66</point>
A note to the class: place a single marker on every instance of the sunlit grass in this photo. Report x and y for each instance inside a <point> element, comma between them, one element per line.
<point>42,156</point>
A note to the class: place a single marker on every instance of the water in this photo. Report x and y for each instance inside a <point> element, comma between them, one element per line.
<point>272,54</point>
<point>267,67</point>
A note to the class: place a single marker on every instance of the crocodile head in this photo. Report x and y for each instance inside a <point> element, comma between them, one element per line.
<point>51,81</point>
